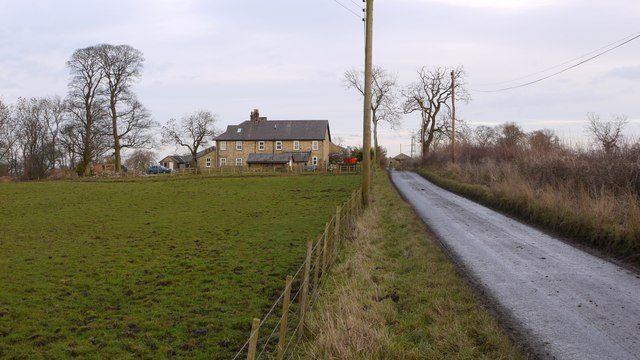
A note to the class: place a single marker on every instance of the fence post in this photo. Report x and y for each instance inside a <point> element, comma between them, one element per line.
<point>336,229</point>
<point>325,248</point>
<point>316,269</point>
<point>285,316</point>
<point>253,342</point>
<point>305,287</point>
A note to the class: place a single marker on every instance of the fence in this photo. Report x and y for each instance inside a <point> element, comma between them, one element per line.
<point>320,256</point>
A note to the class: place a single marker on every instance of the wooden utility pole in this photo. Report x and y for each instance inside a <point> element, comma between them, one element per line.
<point>453,118</point>
<point>366,136</point>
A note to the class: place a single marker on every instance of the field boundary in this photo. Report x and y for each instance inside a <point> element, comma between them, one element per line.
<point>287,330</point>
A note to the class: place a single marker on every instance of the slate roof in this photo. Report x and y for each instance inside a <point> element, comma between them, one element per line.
<point>281,158</point>
<point>276,130</point>
<point>401,157</point>
<point>186,159</point>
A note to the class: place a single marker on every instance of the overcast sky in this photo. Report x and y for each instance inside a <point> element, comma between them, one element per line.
<point>287,58</point>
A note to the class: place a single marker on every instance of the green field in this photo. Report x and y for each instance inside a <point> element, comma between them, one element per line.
<point>151,268</point>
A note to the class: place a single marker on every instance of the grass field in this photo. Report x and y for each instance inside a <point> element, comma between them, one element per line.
<point>150,268</point>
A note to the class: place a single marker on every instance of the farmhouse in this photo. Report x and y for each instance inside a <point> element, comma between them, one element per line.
<point>399,160</point>
<point>275,143</point>
<point>206,159</point>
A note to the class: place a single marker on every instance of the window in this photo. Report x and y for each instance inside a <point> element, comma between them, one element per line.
<point>208,162</point>
<point>238,161</point>
<point>239,145</point>
<point>314,160</point>
<point>314,145</point>
<point>278,145</point>
<point>296,145</point>
<point>222,145</point>
<point>260,145</point>
<point>223,161</point>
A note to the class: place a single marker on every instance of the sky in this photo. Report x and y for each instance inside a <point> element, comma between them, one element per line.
<point>287,58</point>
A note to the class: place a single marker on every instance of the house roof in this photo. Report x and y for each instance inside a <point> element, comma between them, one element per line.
<point>401,157</point>
<point>276,130</point>
<point>186,159</point>
<point>281,158</point>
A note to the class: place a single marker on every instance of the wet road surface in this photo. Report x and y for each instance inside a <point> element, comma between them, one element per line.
<point>563,303</point>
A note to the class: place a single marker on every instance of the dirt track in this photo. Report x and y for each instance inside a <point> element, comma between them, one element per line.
<point>562,302</point>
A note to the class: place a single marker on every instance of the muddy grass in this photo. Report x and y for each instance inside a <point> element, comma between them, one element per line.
<point>150,268</point>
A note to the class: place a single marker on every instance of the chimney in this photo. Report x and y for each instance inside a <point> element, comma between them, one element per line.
<point>256,118</point>
<point>255,115</point>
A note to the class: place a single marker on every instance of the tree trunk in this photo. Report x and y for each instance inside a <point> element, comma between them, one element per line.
<point>86,152</point>
<point>116,139</point>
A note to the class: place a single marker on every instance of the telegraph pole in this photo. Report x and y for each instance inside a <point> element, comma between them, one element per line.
<point>453,118</point>
<point>366,136</point>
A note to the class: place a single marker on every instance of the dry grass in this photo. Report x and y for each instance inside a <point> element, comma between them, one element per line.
<point>394,295</point>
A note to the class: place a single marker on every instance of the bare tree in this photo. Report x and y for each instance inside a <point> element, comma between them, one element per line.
<point>121,66</point>
<point>384,98</point>
<point>511,135</point>
<point>429,95</point>
<point>54,112</point>
<point>33,137</point>
<point>191,132</point>
<point>140,160</point>
<point>485,135</point>
<point>134,126</point>
<point>543,141</point>
<point>84,101</point>
<point>607,134</point>
<point>8,140</point>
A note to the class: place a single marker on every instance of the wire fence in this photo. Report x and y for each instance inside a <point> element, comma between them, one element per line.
<point>278,333</point>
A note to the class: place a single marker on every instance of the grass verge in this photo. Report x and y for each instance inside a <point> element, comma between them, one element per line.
<point>393,294</point>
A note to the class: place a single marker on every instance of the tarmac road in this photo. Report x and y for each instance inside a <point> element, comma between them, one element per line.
<point>561,302</point>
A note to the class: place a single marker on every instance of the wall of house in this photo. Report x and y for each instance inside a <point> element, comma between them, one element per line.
<point>249,147</point>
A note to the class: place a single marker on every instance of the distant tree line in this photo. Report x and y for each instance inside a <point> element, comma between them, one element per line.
<point>99,117</point>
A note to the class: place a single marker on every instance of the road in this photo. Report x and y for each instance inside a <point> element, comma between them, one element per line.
<point>562,302</point>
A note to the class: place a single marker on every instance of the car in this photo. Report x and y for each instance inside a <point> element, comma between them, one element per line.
<point>158,169</point>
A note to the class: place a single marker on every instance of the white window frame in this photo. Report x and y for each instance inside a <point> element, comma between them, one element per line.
<point>238,161</point>
<point>314,160</point>
<point>296,145</point>
<point>207,162</point>
<point>278,145</point>
<point>223,145</point>
<point>223,161</point>
<point>315,145</point>
<point>239,145</point>
<point>260,145</point>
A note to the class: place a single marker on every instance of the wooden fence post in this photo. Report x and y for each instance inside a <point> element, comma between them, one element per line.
<point>336,228</point>
<point>325,248</point>
<point>316,269</point>
<point>253,342</point>
<point>305,287</point>
<point>285,316</point>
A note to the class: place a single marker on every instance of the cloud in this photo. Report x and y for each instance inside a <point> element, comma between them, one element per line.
<point>627,72</point>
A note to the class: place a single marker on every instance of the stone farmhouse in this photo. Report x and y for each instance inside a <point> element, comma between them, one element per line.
<point>277,144</point>
<point>206,159</point>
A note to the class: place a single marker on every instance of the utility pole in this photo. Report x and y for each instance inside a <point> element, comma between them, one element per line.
<point>453,118</point>
<point>366,133</point>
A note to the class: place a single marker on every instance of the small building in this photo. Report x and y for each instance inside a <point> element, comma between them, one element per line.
<point>399,160</point>
<point>206,159</point>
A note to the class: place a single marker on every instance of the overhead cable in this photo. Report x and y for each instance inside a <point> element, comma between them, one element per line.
<point>609,49</point>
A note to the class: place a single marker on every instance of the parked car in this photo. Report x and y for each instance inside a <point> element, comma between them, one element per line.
<point>158,169</point>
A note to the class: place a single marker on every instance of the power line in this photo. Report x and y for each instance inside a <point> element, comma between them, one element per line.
<point>564,69</point>
<point>348,9</point>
